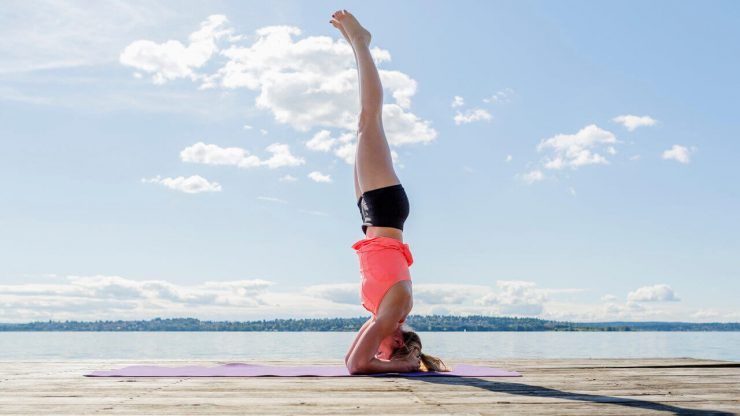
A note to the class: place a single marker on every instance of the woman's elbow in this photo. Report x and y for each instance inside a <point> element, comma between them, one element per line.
<point>356,368</point>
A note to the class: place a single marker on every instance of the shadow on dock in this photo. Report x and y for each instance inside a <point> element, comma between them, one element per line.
<point>539,391</point>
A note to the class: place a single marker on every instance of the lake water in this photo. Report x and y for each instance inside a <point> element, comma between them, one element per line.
<point>333,345</point>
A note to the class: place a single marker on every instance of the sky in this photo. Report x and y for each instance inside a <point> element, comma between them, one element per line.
<point>563,160</point>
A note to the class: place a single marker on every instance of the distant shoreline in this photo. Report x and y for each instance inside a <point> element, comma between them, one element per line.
<point>425,323</point>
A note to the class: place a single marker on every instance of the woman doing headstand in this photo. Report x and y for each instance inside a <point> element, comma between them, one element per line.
<point>382,344</point>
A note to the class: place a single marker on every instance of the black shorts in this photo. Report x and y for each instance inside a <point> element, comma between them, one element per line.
<point>384,207</point>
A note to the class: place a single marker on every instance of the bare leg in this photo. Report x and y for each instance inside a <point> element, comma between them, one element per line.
<point>358,190</point>
<point>373,162</point>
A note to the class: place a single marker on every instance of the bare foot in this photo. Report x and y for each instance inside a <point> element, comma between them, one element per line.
<point>351,29</point>
<point>336,24</point>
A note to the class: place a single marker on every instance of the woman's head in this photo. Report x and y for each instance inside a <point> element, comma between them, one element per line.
<point>389,344</point>
<point>411,344</point>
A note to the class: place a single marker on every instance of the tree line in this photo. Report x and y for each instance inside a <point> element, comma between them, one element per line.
<point>434,323</point>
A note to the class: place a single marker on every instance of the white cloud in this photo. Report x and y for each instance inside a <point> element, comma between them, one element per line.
<point>405,128</point>
<point>402,86</point>
<point>317,176</point>
<point>281,156</point>
<point>343,147</point>
<point>678,153</point>
<point>635,157</point>
<point>632,122</point>
<point>516,298</point>
<point>650,303</point>
<point>502,96</point>
<point>172,60</point>
<point>191,185</point>
<point>475,114</point>
<point>263,132</point>
<point>272,199</point>
<point>508,158</point>
<point>533,176</point>
<point>579,149</point>
<point>655,293</point>
<point>527,299</point>
<point>347,152</point>
<point>248,127</point>
<point>706,314</point>
<point>347,137</point>
<point>626,310</point>
<point>288,178</point>
<point>348,293</point>
<point>509,297</point>
<point>394,158</point>
<point>304,82</point>
<point>114,297</point>
<point>447,294</point>
<point>321,141</point>
<point>41,64</point>
<point>312,82</point>
<point>211,154</point>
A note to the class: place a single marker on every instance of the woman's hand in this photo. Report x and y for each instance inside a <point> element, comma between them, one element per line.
<point>410,364</point>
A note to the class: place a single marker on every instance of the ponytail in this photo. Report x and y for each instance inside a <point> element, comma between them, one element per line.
<point>412,342</point>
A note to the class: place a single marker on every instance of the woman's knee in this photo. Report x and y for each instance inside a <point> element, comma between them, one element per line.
<point>369,119</point>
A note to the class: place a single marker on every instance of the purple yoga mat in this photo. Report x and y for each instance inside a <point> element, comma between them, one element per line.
<point>255,370</point>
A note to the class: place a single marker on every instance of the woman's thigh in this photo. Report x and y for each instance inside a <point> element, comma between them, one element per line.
<point>373,160</point>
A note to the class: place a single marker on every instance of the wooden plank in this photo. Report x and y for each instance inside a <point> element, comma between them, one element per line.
<point>624,386</point>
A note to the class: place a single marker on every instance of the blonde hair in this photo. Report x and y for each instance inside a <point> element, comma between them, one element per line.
<point>411,342</point>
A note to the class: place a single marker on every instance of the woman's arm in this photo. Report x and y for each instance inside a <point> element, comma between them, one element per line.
<point>362,359</point>
<point>357,337</point>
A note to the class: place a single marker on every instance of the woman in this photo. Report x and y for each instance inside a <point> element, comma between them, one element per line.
<point>381,345</point>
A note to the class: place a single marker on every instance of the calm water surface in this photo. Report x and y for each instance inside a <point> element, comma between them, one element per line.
<point>333,345</point>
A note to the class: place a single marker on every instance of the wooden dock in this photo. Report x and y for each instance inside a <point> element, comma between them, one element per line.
<point>548,387</point>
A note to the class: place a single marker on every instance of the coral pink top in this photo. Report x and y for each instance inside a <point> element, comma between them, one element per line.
<point>384,261</point>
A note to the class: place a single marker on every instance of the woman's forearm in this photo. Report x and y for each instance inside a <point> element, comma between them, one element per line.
<point>357,337</point>
<point>362,359</point>
<point>377,365</point>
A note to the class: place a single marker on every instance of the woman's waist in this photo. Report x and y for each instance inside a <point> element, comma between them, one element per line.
<point>379,242</point>
<point>389,232</point>
<point>376,247</point>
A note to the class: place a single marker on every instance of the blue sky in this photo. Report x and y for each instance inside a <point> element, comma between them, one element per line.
<point>565,160</point>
